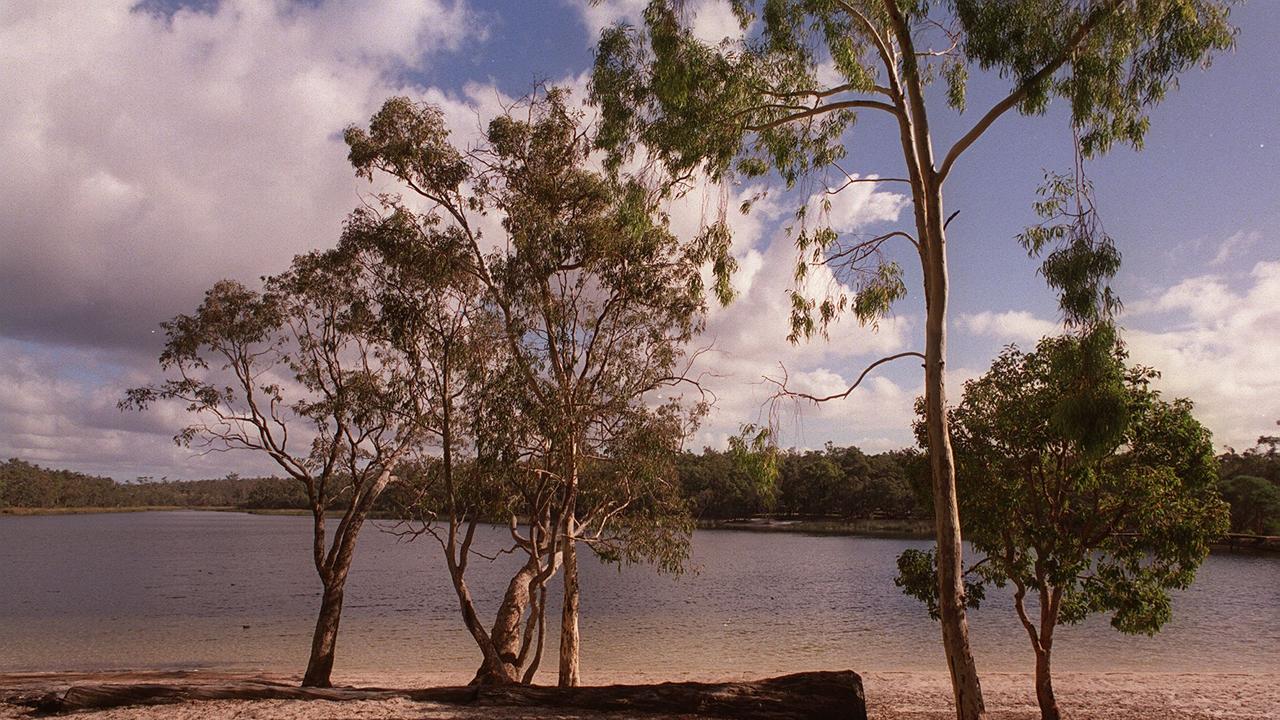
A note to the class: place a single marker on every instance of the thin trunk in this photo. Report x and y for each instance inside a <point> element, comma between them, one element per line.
<point>570,674</point>
<point>492,671</point>
<point>955,624</point>
<point>532,669</point>
<point>325,639</point>
<point>926,192</point>
<point>1048,621</point>
<point>507,624</point>
<point>1041,641</point>
<point>333,574</point>
<point>1044,687</point>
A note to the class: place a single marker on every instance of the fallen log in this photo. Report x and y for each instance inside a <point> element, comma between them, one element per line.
<point>801,696</point>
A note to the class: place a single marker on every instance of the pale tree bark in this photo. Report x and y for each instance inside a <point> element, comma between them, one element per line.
<point>570,664</point>
<point>507,632</point>
<point>907,94</point>
<point>951,598</point>
<point>570,641</point>
<point>492,670</point>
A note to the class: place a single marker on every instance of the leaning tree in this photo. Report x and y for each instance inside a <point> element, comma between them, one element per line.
<point>305,374</point>
<point>596,301</point>
<point>782,99</point>
<point>1080,485</point>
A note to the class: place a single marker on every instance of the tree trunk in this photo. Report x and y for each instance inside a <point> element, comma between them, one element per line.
<point>955,624</point>
<point>541,619</point>
<point>570,675</point>
<point>507,630</point>
<point>569,640</point>
<point>503,665</point>
<point>1044,688</point>
<point>926,196</point>
<point>325,640</point>
<point>492,670</point>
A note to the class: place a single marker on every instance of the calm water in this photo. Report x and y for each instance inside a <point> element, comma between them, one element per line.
<point>234,591</point>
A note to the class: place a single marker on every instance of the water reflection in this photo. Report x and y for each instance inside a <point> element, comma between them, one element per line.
<point>235,591</point>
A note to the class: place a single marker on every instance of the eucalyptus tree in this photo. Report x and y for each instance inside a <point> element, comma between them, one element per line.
<point>474,470</point>
<point>596,300</point>
<point>1081,485</point>
<point>783,99</point>
<point>306,374</point>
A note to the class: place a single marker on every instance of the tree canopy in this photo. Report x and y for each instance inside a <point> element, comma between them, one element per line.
<point>1082,484</point>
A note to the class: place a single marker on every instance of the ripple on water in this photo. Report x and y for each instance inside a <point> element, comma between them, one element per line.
<point>175,589</point>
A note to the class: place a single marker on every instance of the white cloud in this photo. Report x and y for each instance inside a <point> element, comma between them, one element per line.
<point>711,21</point>
<point>714,22</point>
<point>1012,326</point>
<point>749,336</point>
<point>600,15</point>
<point>1212,337</point>
<point>63,419</point>
<point>1238,242</point>
<point>144,156</point>
<point>1214,341</point>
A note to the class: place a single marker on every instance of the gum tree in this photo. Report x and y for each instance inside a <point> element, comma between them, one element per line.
<point>1082,488</point>
<point>434,314</point>
<point>305,374</point>
<point>783,100</point>
<point>595,300</point>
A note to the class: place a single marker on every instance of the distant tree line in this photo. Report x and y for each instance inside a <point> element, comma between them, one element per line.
<point>1250,483</point>
<point>27,485</point>
<point>834,482</point>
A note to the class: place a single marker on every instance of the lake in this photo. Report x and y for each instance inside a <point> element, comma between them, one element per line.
<point>233,591</point>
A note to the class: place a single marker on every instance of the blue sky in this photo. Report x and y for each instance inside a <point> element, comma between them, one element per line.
<point>150,151</point>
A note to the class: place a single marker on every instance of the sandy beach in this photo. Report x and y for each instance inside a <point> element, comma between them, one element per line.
<point>890,696</point>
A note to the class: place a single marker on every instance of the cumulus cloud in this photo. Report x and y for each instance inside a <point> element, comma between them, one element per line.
<point>1012,326</point>
<point>146,155</point>
<point>1212,337</point>
<point>1214,340</point>
<point>748,337</point>
<point>711,21</point>
<point>59,410</point>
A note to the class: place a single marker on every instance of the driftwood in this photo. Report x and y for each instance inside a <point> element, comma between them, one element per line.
<point>809,695</point>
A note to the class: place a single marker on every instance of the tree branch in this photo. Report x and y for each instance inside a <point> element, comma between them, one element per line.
<point>1020,93</point>
<point>784,392</point>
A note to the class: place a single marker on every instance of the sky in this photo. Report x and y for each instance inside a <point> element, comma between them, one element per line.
<point>150,149</point>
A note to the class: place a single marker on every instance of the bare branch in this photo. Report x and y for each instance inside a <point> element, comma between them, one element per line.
<point>783,391</point>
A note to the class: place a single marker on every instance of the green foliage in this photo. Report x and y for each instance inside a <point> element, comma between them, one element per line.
<point>1255,504</point>
<point>754,456</point>
<point>1080,480</point>
<point>1129,60</point>
<point>1251,483</point>
<point>1083,257</point>
<point>784,99</point>
<point>27,485</point>
<point>837,482</point>
<point>918,577</point>
<point>588,300</point>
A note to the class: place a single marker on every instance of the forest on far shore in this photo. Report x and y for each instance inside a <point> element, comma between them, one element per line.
<point>832,483</point>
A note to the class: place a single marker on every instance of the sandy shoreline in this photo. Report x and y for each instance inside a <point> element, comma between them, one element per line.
<point>890,695</point>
